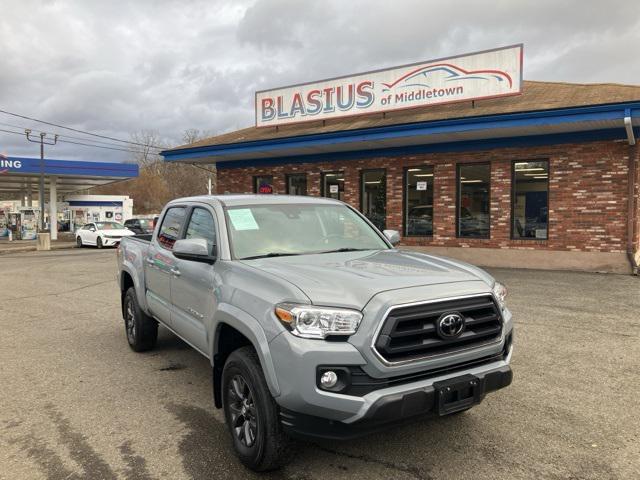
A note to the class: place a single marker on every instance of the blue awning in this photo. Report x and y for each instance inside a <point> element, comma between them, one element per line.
<point>576,124</point>
<point>16,173</point>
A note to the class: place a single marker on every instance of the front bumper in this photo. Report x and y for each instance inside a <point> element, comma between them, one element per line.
<point>392,409</point>
<point>111,242</point>
<point>296,362</point>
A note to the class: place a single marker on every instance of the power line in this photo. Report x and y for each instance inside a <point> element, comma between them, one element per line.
<point>77,130</point>
<point>130,150</point>
<point>22,127</point>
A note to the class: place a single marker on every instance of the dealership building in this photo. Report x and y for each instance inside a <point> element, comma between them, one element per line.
<point>460,155</point>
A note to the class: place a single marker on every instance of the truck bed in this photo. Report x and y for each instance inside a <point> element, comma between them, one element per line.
<point>145,238</point>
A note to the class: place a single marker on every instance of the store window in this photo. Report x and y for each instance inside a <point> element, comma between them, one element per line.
<point>263,184</point>
<point>418,208</point>
<point>373,196</point>
<point>530,208</point>
<point>474,199</point>
<point>297,184</point>
<point>170,228</point>
<point>333,185</point>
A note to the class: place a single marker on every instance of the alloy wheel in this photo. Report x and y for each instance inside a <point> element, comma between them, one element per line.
<point>243,411</point>
<point>130,323</point>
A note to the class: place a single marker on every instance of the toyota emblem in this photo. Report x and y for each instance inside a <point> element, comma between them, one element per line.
<point>450,325</point>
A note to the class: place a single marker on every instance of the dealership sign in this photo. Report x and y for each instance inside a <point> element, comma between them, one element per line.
<point>487,74</point>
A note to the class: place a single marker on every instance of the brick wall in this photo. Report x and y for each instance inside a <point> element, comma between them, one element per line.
<point>635,220</point>
<point>588,193</point>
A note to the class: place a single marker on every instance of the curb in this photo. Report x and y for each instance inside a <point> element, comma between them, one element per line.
<point>33,248</point>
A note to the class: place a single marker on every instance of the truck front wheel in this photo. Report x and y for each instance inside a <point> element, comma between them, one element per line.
<point>251,413</point>
<point>141,329</point>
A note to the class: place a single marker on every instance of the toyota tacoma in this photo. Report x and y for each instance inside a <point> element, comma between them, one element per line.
<point>314,323</point>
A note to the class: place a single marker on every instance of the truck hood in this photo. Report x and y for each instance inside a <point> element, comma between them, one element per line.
<point>351,279</point>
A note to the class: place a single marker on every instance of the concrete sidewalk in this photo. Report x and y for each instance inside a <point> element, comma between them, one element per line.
<point>20,246</point>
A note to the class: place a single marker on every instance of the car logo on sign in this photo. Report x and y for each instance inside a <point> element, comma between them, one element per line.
<point>450,325</point>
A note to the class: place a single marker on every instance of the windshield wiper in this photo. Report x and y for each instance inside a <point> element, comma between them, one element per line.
<point>270,254</point>
<point>346,249</point>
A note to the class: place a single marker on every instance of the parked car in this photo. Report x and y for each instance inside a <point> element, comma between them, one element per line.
<point>101,234</point>
<point>314,324</point>
<point>140,226</point>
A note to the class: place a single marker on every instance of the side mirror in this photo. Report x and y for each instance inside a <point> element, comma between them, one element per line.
<point>92,229</point>
<point>393,236</point>
<point>194,249</point>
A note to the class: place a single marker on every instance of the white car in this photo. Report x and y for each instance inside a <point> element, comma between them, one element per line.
<point>102,234</point>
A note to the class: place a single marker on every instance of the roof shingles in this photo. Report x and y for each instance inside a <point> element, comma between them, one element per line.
<point>536,96</point>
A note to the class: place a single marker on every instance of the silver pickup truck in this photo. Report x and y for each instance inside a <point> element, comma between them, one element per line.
<point>314,323</point>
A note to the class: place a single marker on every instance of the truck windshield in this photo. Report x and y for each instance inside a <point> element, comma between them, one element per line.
<point>296,229</point>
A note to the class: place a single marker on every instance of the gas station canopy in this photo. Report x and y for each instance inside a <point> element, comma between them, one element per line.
<point>17,174</point>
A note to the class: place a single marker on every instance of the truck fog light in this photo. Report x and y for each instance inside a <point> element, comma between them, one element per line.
<point>329,379</point>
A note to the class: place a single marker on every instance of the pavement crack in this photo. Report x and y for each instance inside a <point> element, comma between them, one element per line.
<point>55,294</point>
<point>411,470</point>
<point>172,366</point>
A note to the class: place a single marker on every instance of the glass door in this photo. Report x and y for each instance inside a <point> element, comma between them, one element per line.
<point>373,196</point>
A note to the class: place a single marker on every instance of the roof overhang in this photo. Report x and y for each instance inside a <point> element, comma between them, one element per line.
<point>491,131</point>
<point>71,176</point>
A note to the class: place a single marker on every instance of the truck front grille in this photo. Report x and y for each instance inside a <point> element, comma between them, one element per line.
<point>410,332</point>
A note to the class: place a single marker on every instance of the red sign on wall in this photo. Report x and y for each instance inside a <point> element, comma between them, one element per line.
<point>265,188</point>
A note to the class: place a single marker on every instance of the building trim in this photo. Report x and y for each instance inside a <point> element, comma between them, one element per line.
<point>461,146</point>
<point>467,124</point>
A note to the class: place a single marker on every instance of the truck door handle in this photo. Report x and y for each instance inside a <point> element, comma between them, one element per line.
<point>175,272</point>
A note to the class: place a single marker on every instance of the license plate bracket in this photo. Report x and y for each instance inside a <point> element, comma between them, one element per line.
<point>457,394</point>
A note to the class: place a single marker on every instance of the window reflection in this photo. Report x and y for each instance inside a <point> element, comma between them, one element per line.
<point>333,185</point>
<point>530,200</point>
<point>373,195</point>
<point>473,200</point>
<point>297,184</point>
<point>419,201</point>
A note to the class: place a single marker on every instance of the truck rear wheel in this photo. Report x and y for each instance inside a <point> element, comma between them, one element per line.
<point>141,329</point>
<point>251,413</point>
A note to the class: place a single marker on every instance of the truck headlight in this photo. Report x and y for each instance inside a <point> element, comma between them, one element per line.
<point>308,321</point>
<point>500,291</point>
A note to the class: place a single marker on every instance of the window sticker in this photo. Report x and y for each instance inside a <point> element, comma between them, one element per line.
<point>242,219</point>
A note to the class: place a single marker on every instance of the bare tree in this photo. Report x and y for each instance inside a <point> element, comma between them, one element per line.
<point>161,181</point>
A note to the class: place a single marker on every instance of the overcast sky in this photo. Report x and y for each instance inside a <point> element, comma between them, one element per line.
<point>117,67</point>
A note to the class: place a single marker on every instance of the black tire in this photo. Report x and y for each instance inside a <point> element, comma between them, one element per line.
<point>79,243</point>
<point>99,242</point>
<point>141,329</point>
<point>270,448</point>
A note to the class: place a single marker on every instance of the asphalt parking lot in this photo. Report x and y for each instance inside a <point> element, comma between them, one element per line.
<point>76,402</point>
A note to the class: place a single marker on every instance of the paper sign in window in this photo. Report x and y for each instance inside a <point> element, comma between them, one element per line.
<point>421,186</point>
<point>242,219</point>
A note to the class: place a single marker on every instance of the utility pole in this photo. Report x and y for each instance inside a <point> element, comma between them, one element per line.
<point>209,186</point>
<point>42,143</point>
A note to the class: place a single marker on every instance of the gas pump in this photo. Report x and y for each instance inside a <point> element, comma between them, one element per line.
<point>15,225</point>
<point>4,223</point>
<point>29,223</point>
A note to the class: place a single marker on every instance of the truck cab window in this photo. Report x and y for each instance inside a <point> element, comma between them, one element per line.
<point>171,226</point>
<point>201,226</point>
